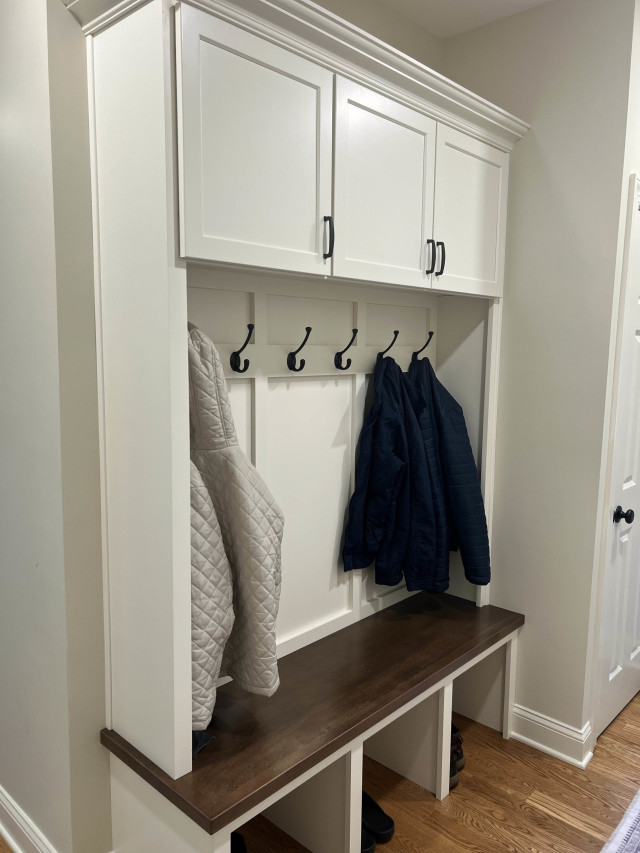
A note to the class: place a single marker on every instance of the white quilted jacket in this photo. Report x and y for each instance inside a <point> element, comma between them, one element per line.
<point>251,526</point>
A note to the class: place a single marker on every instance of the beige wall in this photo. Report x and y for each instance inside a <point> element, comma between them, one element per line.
<point>34,722</point>
<point>389,26</point>
<point>631,166</point>
<point>564,67</point>
<point>51,635</point>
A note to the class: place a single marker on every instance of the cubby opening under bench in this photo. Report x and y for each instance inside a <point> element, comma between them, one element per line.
<point>381,687</point>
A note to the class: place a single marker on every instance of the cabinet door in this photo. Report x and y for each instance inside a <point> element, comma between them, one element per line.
<point>383,189</point>
<point>255,136</point>
<point>470,214</point>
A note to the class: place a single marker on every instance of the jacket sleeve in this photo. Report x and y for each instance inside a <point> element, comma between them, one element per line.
<point>386,474</point>
<point>372,506</point>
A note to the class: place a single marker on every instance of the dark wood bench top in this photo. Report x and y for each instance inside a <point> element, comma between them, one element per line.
<point>330,692</point>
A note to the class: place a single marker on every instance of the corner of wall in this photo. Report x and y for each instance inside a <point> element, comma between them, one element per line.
<point>81,508</point>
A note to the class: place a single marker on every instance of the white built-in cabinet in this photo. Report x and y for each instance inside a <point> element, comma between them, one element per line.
<point>228,140</point>
<point>282,166</point>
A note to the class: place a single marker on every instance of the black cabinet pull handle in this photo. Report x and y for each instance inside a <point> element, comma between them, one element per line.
<point>619,514</point>
<point>443,257</point>
<point>431,252</point>
<point>332,237</point>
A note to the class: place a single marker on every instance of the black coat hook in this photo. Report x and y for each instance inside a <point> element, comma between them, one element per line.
<point>235,356</point>
<point>385,351</point>
<point>414,355</point>
<point>291,357</point>
<point>337,359</point>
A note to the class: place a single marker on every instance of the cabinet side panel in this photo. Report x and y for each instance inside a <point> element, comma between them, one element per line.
<point>143,310</point>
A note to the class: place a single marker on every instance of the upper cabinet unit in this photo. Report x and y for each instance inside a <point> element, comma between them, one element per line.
<point>255,131</point>
<point>392,193</point>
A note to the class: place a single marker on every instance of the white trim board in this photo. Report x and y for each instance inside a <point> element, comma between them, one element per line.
<point>18,830</point>
<point>553,737</point>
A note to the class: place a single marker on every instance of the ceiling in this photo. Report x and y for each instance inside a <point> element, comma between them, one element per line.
<point>446,18</point>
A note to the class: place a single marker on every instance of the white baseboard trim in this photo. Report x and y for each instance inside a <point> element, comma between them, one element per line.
<point>20,832</point>
<point>552,736</point>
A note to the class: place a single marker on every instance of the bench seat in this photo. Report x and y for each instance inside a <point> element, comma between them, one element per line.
<point>331,692</point>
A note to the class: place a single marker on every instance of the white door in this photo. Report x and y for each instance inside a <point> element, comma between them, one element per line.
<point>619,646</point>
<point>383,191</point>
<point>470,214</point>
<point>255,137</point>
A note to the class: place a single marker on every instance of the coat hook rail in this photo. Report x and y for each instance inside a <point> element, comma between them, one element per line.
<point>337,359</point>
<point>235,360</point>
<point>414,355</point>
<point>385,351</point>
<point>291,357</point>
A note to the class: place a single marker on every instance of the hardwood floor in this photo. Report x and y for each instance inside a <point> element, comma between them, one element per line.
<point>4,847</point>
<point>511,798</point>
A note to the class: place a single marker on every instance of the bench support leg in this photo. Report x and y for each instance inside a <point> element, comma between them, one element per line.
<point>353,828</point>
<point>222,842</point>
<point>509,686</point>
<point>445,695</point>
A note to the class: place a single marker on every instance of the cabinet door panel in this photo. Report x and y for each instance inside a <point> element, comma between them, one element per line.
<point>255,148</point>
<point>384,165</point>
<point>470,213</point>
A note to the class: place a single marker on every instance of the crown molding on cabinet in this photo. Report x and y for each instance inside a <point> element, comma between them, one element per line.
<point>319,35</point>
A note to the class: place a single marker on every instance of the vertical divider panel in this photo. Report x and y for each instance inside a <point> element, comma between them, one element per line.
<point>102,424</point>
<point>318,813</point>
<point>143,316</point>
<point>492,375</point>
<point>511,659</point>
<point>409,744</point>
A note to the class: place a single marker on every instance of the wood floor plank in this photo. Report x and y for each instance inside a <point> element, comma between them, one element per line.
<point>511,798</point>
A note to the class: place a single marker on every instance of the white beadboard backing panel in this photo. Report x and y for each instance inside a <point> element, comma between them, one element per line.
<point>332,320</point>
<point>459,585</point>
<point>302,430</point>
<point>241,399</point>
<point>462,343</point>
<point>224,318</point>
<point>309,472</point>
<point>414,324</point>
<point>463,328</point>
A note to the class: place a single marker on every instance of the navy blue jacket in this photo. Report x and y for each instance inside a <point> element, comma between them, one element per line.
<point>454,476</point>
<point>417,492</point>
<point>391,514</point>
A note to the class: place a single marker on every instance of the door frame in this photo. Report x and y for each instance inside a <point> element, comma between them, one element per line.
<point>591,705</point>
